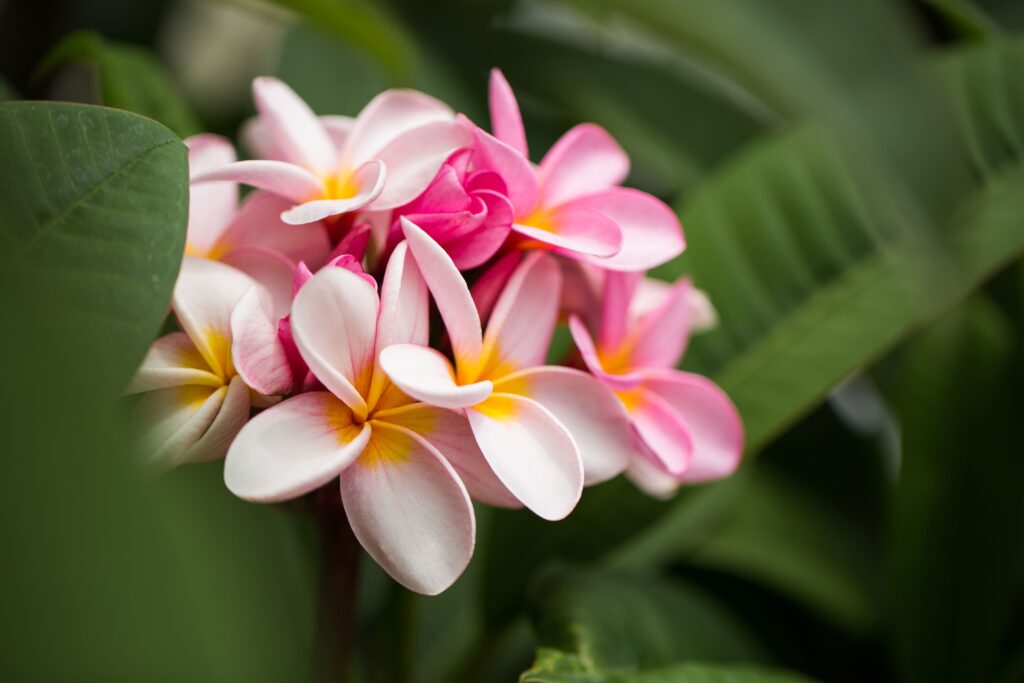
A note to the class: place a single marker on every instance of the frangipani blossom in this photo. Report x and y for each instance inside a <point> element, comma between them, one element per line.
<point>572,203</point>
<point>406,504</point>
<point>687,429</point>
<point>252,237</point>
<point>542,431</point>
<point>194,401</point>
<point>388,156</point>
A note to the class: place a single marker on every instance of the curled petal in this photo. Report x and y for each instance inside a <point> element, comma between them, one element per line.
<point>661,429</point>
<point>414,158</point>
<point>257,352</point>
<point>280,177</point>
<point>295,130</point>
<point>575,232</point>
<point>583,161</point>
<point>409,509</point>
<point>515,170</point>
<point>293,448</point>
<point>386,117</point>
<point>652,479</point>
<point>174,419</point>
<point>232,416</point>
<point>530,451</point>
<point>585,343</point>
<point>173,360</point>
<point>369,178</point>
<point>426,375</point>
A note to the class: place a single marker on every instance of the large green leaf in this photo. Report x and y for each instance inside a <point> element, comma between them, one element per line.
<point>130,78</point>
<point>553,666</point>
<point>93,208</point>
<point>956,560</point>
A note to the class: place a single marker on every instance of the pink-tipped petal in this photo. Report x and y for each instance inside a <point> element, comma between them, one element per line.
<point>448,431</point>
<point>259,224</point>
<point>257,139</point>
<point>530,451</point>
<point>618,292</point>
<point>414,158</point>
<point>519,332</point>
<point>450,293</point>
<point>257,352</point>
<point>210,207</point>
<point>712,420</point>
<point>661,336</point>
<point>409,510</point>
<point>386,117</point>
<point>651,232</point>
<point>585,343</point>
<point>280,177</point>
<point>661,429</point>
<point>506,121</point>
<point>172,361</point>
<point>293,448</point>
<point>576,232</point>
<point>489,286</point>
<point>269,268</point>
<point>426,375</point>
<point>652,479</point>
<point>354,242</point>
<point>476,248</point>
<point>334,322</point>
<point>204,296</point>
<point>515,170</point>
<point>338,129</point>
<point>370,178</point>
<point>583,161</point>
<point>295,130</point>
<point>593,415</point>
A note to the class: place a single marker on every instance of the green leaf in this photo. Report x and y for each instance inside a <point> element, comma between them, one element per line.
<point>94,211</point>
<point>130,78</point>
<point>366,26</point>
<point>618,621</point>
<point>954,554</point>
<point>6,91</point>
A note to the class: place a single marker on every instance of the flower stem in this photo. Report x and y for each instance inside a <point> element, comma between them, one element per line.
<point>339,587</point>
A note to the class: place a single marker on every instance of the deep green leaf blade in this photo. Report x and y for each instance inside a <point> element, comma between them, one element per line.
<point>92,213</point>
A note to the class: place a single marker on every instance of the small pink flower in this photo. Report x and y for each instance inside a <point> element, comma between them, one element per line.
<point>542,431</point>
<point>333,165</point>
<point>405,502</point>
<point>572,203</point>
<point>687,429</point>
<point>195,401</point>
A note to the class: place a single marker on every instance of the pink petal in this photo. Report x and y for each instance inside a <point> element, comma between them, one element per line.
<point>519,331</point>
<point>172,361</point>
<point>531,452</point>
<point>370,178</point>
<point>293,448</point>
<point>712,420</point>
<point>414,158</point>
<point>354,242</point>
<point>619,289</point>
<point>660,337</point>
<point>210,207</point>
<point>259,224</point>
<point>204,296</point>
<point>269,268</point>
<point>426,375</point>
<point>256,350</point>
<point>280,177</point>
<point>576,232</point>
<point>256,136</point>
<point>476,248</point>
<point>448,431</point>
<point>297,133</point>
<point>488,287</point>
<point>651,232</point>
<point>450,293</point>
<point>334,321</point>
<point>652,479</point>
<point>585,343</point>
<point>515,170</point>
<point>506,121</point>
<point>585,160</point>
<point>386,117</point>
<point>589,411</point>
<point>661,429</point>
<point>409,510</point>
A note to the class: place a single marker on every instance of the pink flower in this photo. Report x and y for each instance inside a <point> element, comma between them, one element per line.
<point>330,166</point>
<point>687,430</point>
<point>194,400</point>
<point>541,431</point>
<point>572,203</point>
<point>405,502</point>
<point>252,237</point>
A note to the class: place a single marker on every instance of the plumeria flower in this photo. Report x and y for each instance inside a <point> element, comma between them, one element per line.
<point>404,501</point>
<point>388,156</point>
<point>194,401</point>
<point>687,430</point>
<point>541,431</point>
<point>572,203</point>
<point>248,237</point>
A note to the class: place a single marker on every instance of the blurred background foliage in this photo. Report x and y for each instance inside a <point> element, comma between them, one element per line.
<point>851,180</point>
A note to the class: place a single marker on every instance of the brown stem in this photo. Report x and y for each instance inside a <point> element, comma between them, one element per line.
<point>339,587</point>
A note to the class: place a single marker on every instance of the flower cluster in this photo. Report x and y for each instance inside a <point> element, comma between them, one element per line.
<point>306,353</point>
